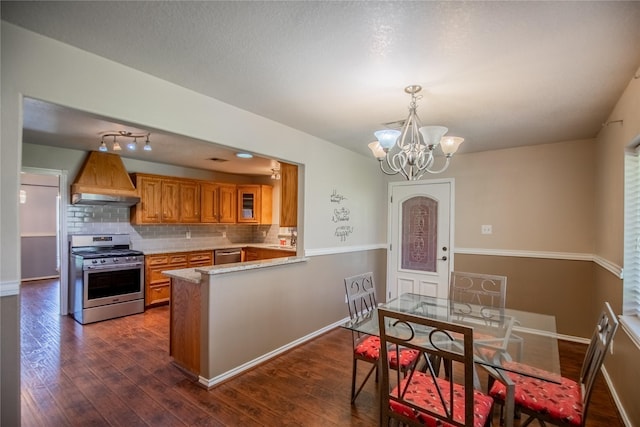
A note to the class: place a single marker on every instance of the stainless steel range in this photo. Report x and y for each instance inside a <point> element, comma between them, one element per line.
<point>106,277</point>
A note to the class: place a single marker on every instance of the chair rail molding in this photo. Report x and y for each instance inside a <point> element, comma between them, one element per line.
<point>10,287</point>
<point>569,256</point>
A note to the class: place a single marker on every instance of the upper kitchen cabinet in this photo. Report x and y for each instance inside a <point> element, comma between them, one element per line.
<point>288,195</point>
<point>165,200</point>
<point>189,193</point>
<point>255,204</point>
<point>218,203</point>
<point>148,211</point>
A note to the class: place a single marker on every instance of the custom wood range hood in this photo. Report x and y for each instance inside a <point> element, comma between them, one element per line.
<point>103,180</point>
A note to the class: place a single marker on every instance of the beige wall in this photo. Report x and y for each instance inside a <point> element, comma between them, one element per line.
<point>624,365</point>
<point>537,198</point>
<point>563,288</point>
<point>288,296</point>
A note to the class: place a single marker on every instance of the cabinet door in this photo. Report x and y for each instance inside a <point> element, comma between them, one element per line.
<point>189,202</point>
<point>150,207</point>
<point>170,201</point>
<point>248,203</point>
<point>265,213</point>
<point>209,203</point>
<point>227,204</point>
<point>288,195</point>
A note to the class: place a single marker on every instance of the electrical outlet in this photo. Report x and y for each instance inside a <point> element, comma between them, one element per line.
<point>224,234</point>
<point>486,229</point>
<point>188,234</point>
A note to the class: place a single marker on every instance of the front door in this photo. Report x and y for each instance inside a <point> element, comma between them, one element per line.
<point>420,237</point>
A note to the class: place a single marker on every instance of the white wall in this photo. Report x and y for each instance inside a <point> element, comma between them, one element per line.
<point>42,68</point>
<point>45,69</point>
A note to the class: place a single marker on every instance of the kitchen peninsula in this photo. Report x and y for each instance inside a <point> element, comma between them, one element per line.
<point>225,319</point>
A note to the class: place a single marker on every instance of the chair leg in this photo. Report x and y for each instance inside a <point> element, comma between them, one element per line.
<point>354,394</point>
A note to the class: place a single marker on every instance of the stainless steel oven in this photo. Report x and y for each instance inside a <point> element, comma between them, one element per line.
<point>106,278</point>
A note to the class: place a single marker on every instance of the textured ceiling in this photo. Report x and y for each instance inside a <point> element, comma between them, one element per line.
<point>499,74</point>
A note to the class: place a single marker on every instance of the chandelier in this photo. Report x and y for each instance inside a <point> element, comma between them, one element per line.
<point>132,138</point>
<point>410,151</point>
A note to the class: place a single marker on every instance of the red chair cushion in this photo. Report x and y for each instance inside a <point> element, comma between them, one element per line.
<point>558,401</point>
<point>422,392</point>
<point>369,348</point>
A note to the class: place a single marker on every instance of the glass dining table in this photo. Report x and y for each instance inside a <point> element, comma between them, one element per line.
<point>510,335</point>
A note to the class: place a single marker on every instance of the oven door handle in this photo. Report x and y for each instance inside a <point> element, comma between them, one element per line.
<point>113,266</point>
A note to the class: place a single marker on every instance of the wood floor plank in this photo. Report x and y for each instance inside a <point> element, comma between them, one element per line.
<point>119,372</point>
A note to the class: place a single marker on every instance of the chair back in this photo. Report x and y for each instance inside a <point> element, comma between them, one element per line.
<point>361,294</point>
<point>486,290</point>
<point>451,344</point>
<point>477,296</point>
<point>600,342</point>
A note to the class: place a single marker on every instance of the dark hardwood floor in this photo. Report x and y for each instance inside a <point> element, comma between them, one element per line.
<point>119,373</point>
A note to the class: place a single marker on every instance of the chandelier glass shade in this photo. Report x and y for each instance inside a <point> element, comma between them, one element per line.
<point>132,143</point>
<point>410,150</point>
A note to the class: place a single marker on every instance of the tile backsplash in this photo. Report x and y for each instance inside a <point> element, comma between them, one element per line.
<point>83,219</point>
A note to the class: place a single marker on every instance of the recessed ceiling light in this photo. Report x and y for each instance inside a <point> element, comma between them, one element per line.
<point>244,155</point>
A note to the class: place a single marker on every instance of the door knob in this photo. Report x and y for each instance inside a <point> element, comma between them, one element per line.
<point>444,258</point>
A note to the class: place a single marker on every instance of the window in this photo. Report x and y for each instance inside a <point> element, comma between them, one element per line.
<point>631,296</point>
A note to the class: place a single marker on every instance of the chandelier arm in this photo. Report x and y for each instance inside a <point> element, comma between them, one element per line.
<point>398,162</point>
<point>381,162</point>
<point>446,165</point>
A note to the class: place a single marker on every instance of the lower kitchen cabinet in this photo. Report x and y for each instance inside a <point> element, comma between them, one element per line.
<point>157,285</point>
<point>252,253</point>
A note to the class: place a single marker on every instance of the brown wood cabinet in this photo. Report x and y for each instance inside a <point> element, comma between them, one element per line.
<point>218,203</point>
<point>157,285</point>
<point>189,204</point>
<point>255,204</point>
<point>200,259</point>
<point>288,195</point>
<point>165,200</point>
<point>252,253</point>
<point>149,210</point>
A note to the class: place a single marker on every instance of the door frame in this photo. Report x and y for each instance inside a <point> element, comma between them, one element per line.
<point>393,184</point>
<point>63,249</point>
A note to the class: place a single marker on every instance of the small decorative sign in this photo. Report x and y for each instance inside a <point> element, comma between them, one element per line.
<point>335,197</point>
<point>343,232</point>
<point>340,215</point>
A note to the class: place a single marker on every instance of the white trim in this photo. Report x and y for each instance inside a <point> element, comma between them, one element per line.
<point>616,399</point>
<point>343,250</point>
<point>211,382</point>
<point>609,266</point>
<point>631,326</point>
<point>63,248</point>
<point>9,288</point>
<point>575,256</point>
<point>571,256</point>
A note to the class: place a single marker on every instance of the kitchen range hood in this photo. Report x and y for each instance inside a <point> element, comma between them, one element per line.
<point>103,180</point>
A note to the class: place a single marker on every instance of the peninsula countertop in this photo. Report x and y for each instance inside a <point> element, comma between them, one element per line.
<point>195,274</point>
<point>207,247</point>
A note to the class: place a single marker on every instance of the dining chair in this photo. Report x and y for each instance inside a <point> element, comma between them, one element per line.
<point>485,290</point>
<point>421,397</point>
<point>361,301</point>
<point>566,403</point>
<point>489,291</point>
